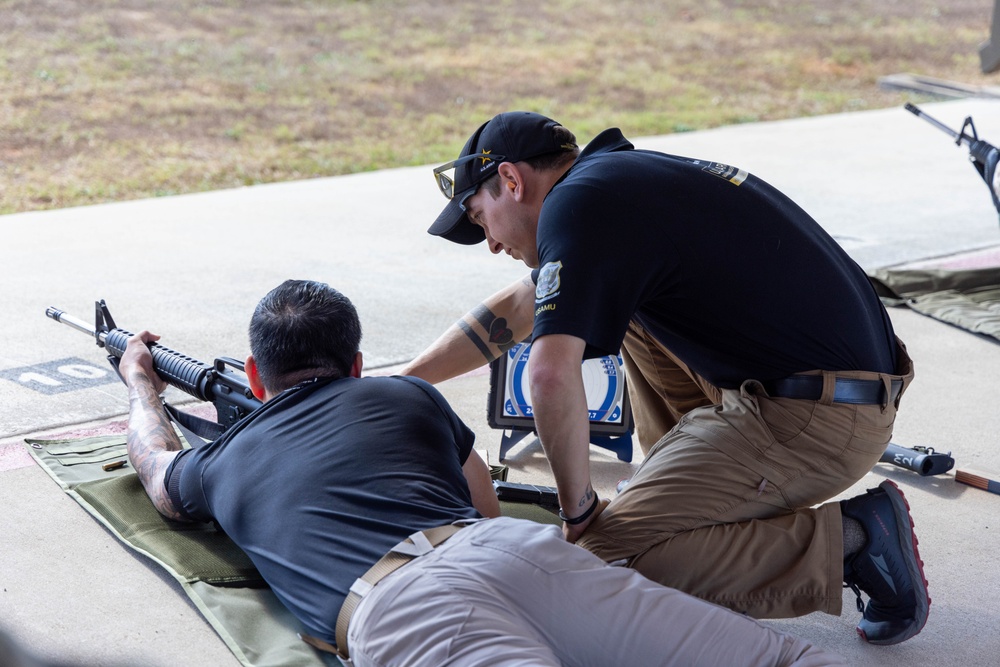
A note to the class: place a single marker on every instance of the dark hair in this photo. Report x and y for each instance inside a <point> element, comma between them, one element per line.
<point>542,162</point>
<point>303,329</point>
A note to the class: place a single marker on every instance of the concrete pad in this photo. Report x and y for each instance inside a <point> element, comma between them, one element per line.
<point>891,188</point>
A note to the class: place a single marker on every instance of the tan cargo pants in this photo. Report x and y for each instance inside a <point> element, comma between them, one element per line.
<point>724,504</point>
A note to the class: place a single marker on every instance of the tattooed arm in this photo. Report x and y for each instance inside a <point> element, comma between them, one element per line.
<point>482,335</point>
<point>152,441</point>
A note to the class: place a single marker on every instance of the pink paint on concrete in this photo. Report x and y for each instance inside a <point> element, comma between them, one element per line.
<point>976,259</point>
<point>14,456</point>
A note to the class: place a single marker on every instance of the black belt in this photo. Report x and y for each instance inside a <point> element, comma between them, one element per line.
<point>846,390</point>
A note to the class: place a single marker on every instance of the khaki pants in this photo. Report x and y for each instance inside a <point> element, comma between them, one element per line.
<point>511,593</point>
<point>724,504</point>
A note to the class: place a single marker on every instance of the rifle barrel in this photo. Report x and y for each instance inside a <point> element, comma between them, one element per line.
<point>65,318</point>
<point>936,123</point>
<point>229,391</point>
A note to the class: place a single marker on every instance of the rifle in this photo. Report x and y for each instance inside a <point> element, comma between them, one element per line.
<point>218,384</point>
<point>546,496</point>
<point>983,155</point>
<point>921,460</point>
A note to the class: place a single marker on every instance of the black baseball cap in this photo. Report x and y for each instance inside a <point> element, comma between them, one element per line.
<point>508,137</point>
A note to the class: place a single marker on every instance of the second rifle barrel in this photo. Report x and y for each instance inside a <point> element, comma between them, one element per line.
<point>933,121</point>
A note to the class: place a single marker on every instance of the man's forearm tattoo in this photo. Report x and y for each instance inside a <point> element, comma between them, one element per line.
<point>149,434</point>
<point>476,339</point>
<point>498,332</point>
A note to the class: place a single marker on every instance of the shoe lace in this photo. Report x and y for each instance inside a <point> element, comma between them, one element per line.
<point>857,591</point>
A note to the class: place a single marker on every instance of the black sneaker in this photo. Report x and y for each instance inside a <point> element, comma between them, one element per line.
<point>888,568</point>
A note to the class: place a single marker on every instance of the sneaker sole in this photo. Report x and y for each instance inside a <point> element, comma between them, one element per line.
<point>915,566</point>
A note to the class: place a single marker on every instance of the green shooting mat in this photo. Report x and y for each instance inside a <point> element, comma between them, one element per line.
<point>966,298</point>
<point>215,574</point>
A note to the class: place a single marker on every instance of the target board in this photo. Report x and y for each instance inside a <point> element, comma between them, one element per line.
<point>603,380</point>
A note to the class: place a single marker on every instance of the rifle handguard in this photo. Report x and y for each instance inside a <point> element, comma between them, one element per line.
<point>178,370</point>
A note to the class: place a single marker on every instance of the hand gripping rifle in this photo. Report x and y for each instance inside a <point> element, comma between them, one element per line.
<point>983,155</point>
<point>219,384</point>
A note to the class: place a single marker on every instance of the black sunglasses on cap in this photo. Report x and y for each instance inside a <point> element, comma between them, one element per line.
<point>446,184</point>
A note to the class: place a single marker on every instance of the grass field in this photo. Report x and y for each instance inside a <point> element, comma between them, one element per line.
<point>109,100</point>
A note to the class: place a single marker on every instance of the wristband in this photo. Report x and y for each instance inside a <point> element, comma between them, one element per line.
<point>583,517</point>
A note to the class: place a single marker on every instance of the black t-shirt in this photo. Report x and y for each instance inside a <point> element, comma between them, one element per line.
<point>727,272</point>
<point>320,482</point>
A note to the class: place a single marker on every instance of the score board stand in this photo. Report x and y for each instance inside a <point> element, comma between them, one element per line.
<point>621,445</point>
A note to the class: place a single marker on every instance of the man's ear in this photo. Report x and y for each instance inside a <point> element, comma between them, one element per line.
<point>253,377</point>
<point>512,178</point>
<point>356,365</point>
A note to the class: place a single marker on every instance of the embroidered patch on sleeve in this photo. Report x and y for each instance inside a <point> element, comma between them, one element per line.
<point>548,281</point>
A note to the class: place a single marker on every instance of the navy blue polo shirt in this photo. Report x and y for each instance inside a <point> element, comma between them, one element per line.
<point>723,269</point>
<point>321,481</point>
